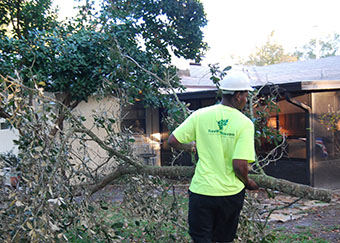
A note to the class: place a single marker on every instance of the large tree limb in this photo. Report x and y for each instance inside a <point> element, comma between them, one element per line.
<point>264,181</point>
<point>293,189</point>
<point>164,171</point>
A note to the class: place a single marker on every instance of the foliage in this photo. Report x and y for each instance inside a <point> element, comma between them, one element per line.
<point>61,61</point>
<point>18,17</point>
<point>161,25</point>
<point>48,203</point>
<point>124,49</point>
<point>319,48</point>
<point>252,226</point>
<point>331,121</point>
<point>155,205</point>
<point>269,53</point>
<point>216,74</point>
<point>304,236</point>
<point>9,159</point>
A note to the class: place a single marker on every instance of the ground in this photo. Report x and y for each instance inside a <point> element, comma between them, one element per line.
<point>311,219</point>
<point>323,223</point>
<point>315,220</point>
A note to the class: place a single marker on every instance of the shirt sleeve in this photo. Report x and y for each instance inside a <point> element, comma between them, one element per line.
<point>245,147</point>
<point>185,133</point>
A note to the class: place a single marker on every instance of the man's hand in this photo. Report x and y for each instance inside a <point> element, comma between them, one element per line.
<point>193,148</point>
<point>241,169</point>
<point>251,185</point>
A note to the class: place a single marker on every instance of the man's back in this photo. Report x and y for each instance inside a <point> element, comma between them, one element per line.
<point>218,131</point>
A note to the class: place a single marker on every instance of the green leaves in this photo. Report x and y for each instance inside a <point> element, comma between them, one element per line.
<point>163,25</point>
<point>74,59</point>
<point>20,17</point>
<point>319,48</point>
<point>269,53</point>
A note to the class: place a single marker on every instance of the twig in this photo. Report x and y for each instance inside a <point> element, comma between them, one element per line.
<point>278,208</point>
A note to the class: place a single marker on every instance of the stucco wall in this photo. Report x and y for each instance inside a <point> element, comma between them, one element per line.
<point>6,140</point>
<point>93,154</point>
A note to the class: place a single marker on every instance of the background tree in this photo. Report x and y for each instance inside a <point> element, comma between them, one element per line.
<point>115,46</point>
<point>269,53</point>
<point>18,17</point>
<point>319,48</point>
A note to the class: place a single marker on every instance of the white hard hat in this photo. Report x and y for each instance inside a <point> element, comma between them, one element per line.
<point>235,81</point>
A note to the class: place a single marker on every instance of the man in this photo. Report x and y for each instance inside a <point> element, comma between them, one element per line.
<point>224,139</point>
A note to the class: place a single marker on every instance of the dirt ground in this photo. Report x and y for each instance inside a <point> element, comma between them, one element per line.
<point>322,220</point>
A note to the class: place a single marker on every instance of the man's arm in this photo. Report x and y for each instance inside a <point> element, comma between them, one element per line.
<point>188,147</point>
<point>241,170</point>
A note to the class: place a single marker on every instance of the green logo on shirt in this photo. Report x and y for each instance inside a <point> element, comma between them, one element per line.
<point>222,123</point>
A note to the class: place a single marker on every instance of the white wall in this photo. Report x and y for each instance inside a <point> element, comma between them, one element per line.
<point>97,155</point>
<point>6,139</point>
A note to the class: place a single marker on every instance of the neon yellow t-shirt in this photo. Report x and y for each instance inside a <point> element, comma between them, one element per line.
<point>222,134</point>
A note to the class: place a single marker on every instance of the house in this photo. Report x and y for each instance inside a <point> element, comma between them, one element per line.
<point>309,99</point>
<point>142,123</point>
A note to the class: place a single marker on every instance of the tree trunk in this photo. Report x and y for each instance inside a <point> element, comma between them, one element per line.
<point>263,181</point>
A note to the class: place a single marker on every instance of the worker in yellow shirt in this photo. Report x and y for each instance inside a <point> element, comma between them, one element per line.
<point>224,140</point>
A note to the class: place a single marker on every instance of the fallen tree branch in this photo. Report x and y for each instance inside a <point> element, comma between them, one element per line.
<point>164,171</point>
<point>276,209</point>
<point>264,181</point>
<point>107,148</point>
<point>293,189</point>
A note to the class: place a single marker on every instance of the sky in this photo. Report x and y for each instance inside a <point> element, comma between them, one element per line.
<point>237,27</point>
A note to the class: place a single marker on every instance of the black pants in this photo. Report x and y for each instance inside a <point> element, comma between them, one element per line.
<point>214,218</point>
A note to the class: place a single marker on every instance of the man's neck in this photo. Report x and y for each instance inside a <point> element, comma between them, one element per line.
<point>228,103</point>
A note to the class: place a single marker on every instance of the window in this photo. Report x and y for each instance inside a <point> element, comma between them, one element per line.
<point>134,119</point>
<point>326,122</point>
<point>290,121</point>
<point>4,125</point>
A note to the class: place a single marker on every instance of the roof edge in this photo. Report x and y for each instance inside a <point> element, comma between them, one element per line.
<point>320,85</point>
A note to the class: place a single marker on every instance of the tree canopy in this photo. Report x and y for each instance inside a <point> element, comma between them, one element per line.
<point>319,48</point>
<point>269,53</point>
<point>115,45</point>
